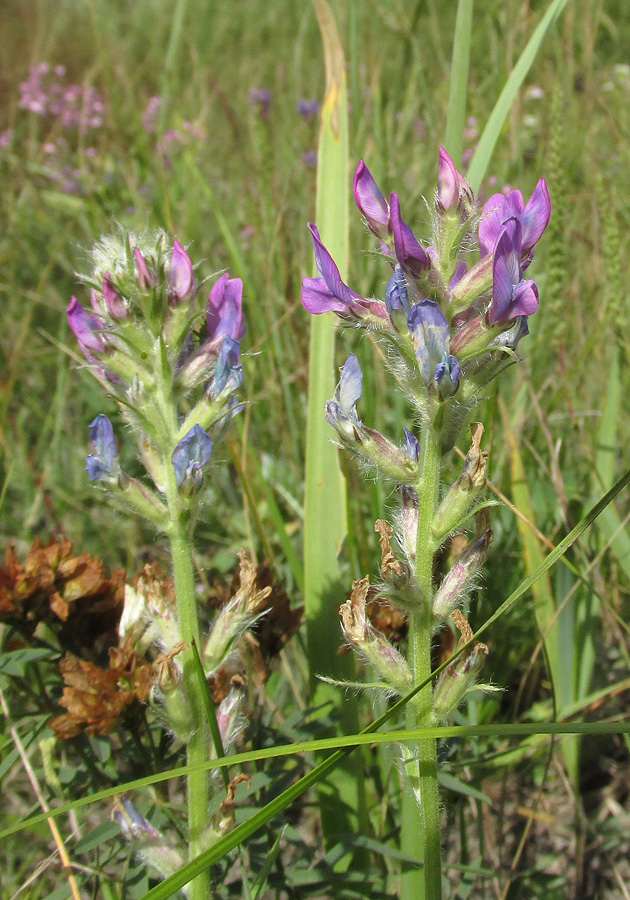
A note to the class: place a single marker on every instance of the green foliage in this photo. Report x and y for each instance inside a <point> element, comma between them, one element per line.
<point>237,187</point>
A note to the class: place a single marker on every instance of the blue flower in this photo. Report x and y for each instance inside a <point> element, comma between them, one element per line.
<point>227,373</point>
<point>430,338</point>
<point>190,456</point>
<point>341,411</point>
<point>102,464</point>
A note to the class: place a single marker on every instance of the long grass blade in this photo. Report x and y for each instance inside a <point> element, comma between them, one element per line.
<point>453,140</point>
<point>491,132</point>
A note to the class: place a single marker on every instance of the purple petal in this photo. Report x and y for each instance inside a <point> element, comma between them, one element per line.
<point>411,445</point>
<point>502,290</point>
<point>328,270</point>
<point>191,454</point>
<point>535,216</point>
<point>371,202</point>
<point>85,327</point>
<point>102,463</point>
<point>410,254</point>
<point>496,211</point>
<point>145,277</point>
<point>350,385</point>
<point>181,273</point>
<point>525,302</point>
<point>448,181</point>
<point>113,300</point>
<point>460,270</point>
<point>224,314</point>
<point>429,335</point>
<point>316,298</point>
<point>228,372</point>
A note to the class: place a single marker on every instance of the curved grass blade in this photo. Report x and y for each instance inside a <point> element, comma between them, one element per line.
<point>488,139</point>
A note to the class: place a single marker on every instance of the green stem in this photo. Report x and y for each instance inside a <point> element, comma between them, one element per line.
<point>421,813</point>
<point>197,748</point>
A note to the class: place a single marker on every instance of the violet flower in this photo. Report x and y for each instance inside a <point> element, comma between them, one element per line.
<point>371,203</point>
<point>430,338</point>
<point>409,252</point>
<point>180,275</point>
<point>224,315</point>
<point>328,293</point>
<point>511,295</point>
<point>532,216</point>
<point>453,191</point>
<point>102,463</point>
<point>228,372</point>
<point>86,329</point>
<point>190,455</point>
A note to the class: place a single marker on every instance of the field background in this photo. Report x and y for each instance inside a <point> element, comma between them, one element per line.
<point>230,172</point>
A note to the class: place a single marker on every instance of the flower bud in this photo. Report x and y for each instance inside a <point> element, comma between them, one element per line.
<point>458,679</point>
<point>456,503</point>
<point>373,645</point>
<point>189,457</point>
<point>180,275</point>
<point>113,299</point>
<point>235,618</point>
<point>102,464</point>
<point>152,846</point>
<point>460,577</point>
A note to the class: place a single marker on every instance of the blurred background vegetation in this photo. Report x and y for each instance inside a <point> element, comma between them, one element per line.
<point>203,121</point>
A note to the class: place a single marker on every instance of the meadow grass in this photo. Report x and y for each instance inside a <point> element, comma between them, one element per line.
<point>237,186</point>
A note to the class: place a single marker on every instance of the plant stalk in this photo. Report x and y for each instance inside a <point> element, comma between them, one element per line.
<point>421,813</point>
<point>197,747</point>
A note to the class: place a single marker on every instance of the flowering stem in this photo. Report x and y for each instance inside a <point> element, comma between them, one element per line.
<point>197,748</point>
<point>421,818</point>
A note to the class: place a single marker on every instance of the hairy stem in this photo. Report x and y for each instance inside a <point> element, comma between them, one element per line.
<point>197,748</point>
<point>421,814</point>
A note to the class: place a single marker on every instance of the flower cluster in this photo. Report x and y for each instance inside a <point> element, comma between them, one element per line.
<point>451,322</point>
<point>152,340</point>
<point>452,326</point>
<point>75,106</point>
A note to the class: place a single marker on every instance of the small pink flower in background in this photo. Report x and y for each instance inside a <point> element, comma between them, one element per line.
<point>6,137</point>
<point>76,106</point>
<point>151,114</point>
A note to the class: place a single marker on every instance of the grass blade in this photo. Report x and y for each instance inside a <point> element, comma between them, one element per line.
<point>453,140</point>
<point>491,132</point>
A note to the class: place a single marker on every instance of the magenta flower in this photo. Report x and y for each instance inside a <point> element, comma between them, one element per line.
<point>224,315</point>
<point>113,300</point>
<point>532,216</point>
<point>511,295</point>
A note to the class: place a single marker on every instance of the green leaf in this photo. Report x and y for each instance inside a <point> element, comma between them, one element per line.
<point>453,140</point>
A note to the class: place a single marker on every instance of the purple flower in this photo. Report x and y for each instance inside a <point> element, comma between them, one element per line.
<point>328,293</point>
<point>181,274</point>
<point>341,411</point>
<point>429,333</point>
<point>224,315</point>
<point>453,191</point>
<point>86,328</point>
<point>411,445</point>
<point>260,99</point>
<point>410,254</point>
<point>371,203</point>
<point>145,277</point>
<point>113,300</point>
<point>511,296</point>
<point>228,374</point>
<point>532,216</point>
<point>190,456</point>
<point>396,293</point>
<point>102,463</point>
<point>308,108</point>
